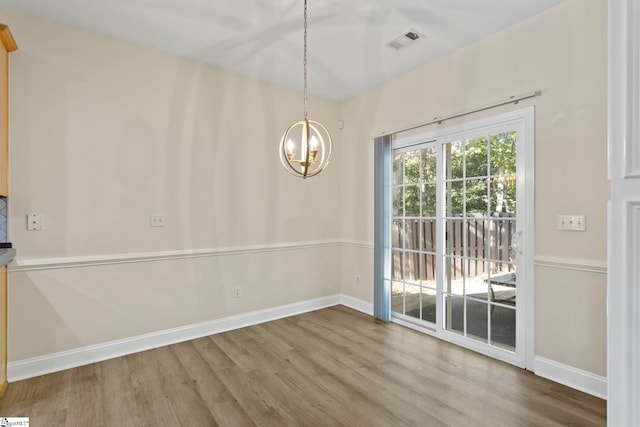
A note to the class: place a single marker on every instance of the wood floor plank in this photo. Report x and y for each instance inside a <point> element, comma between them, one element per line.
<point>118,399</point>
<point>221,404</point>
<point>307,385</point>
<point>214,356</point>
<point>181,388</point>
<point>233,349</point>
<point>431,395</point>
<point>308,411</point>
<point>84,406</point>
<point>231,414</point>
<point>297,357</point>
<point>148,389</point>
<point>256,401</point>
<point>331,367</point>
<point>197,369</point>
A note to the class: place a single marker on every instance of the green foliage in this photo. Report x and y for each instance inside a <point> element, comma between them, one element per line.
<point>479,175</point>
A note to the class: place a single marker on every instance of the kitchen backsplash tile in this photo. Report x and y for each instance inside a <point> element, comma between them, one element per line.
<point>4,237</point>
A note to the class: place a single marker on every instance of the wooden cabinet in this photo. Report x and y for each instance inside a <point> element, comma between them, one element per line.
<point>7,45</point>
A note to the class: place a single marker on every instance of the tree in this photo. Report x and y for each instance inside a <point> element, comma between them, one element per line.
<point>479,175</point>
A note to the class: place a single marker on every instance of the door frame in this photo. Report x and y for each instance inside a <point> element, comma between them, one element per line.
<point>523,119</point>
<point>623,217</point>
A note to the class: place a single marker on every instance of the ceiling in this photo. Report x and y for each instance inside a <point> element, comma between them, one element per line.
<point>263,38</point>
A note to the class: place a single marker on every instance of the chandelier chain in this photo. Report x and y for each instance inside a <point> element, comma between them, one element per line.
<point>305,147</point>
<point>304,62</point>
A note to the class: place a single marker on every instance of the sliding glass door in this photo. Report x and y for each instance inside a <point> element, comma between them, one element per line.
<point>457,230</point>
<point>413,236</point>
<point>479,218</point>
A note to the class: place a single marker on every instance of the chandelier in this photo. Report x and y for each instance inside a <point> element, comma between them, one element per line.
<point>305,148</point>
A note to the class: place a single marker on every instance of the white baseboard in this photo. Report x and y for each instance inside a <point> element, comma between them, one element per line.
<point>365,307</point>
<point>41,365</point>
<point>587,382</point>
<point>28,368</point>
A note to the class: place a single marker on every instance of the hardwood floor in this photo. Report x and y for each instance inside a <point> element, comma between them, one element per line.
<point>325,368</point>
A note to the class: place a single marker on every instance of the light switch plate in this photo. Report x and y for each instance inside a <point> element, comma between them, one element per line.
<point>572,222</point>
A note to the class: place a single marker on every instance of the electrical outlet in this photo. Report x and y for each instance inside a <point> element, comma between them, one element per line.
<point>34,222</point>
<point>157,220</point>
<point>236,292</point>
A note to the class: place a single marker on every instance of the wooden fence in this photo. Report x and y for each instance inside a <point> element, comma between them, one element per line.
<point>486,239</point>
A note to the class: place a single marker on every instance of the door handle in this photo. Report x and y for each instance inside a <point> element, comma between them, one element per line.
<point>516,242</point>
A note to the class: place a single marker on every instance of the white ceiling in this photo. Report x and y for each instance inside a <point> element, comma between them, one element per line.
<point>263,38</point>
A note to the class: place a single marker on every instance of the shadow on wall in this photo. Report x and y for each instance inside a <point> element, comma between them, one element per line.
<point>29,306</point>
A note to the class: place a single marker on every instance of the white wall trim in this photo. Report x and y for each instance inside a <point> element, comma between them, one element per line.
<point>587,382</point>
<point>357,244</point>
<point>363,306</point>
<point>41,365</point>
<point>49,363</point>
<point>588,265</point>
<point>29,264</point>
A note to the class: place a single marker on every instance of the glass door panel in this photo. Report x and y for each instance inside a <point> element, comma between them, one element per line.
<point>414,229</point>
<point>479,278</point>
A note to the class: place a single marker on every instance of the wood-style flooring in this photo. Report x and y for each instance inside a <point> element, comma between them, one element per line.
<point>332,367</point>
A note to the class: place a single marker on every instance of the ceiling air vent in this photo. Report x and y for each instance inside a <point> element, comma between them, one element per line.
<point>405,39</point>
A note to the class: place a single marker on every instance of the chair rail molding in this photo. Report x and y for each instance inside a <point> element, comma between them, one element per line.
<point>29,264</point>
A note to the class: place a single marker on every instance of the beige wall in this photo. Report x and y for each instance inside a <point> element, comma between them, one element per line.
<point>561,52</point>
<point>105,133</point>
<point>54,310</point>
<point>570,311</point>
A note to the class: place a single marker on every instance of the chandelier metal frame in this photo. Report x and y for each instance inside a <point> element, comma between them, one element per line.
<point>305,147</point>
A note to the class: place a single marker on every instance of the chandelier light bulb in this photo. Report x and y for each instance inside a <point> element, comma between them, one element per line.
<point>301,158</point>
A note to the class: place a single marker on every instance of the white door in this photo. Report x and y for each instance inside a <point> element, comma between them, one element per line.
<point>623,279</point>
<point>462,239</point>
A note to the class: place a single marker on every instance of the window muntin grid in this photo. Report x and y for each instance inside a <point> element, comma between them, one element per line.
<point>472,191</point>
